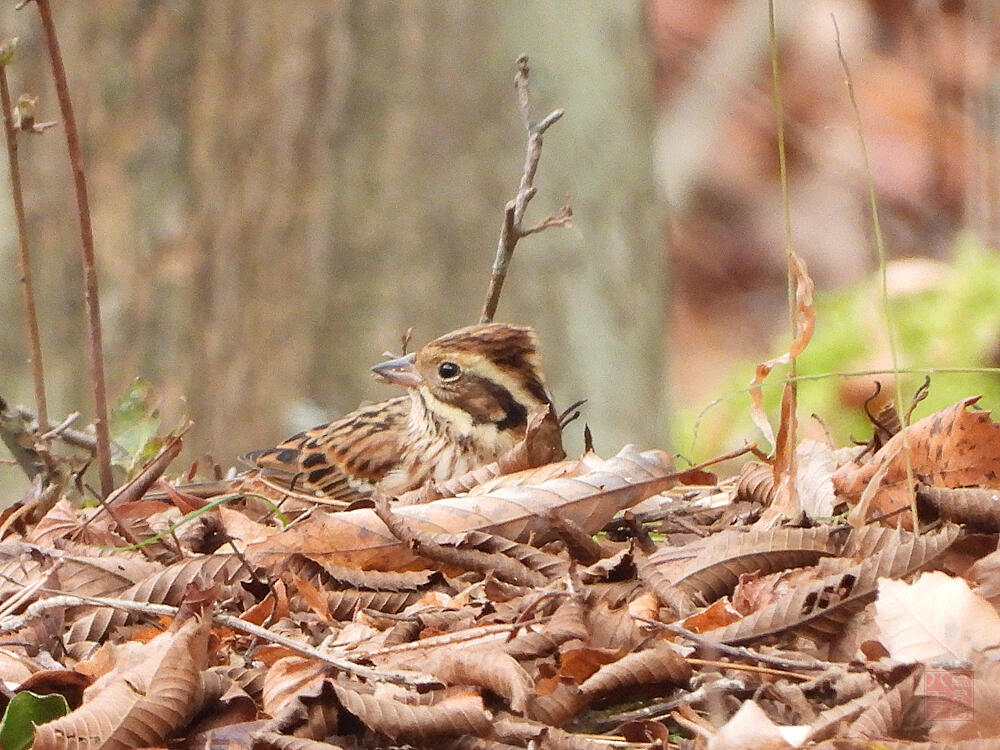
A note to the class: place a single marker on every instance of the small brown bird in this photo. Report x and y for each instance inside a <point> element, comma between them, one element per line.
<point>469,395</point>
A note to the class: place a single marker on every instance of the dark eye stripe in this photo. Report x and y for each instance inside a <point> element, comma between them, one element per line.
<point>515,413</point>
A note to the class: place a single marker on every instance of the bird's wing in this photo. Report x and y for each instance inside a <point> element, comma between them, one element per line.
<point>344,459</point>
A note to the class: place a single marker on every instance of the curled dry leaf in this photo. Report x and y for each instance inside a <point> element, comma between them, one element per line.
<point>650,667</point>
<point>805,323</point>
<point>455,713</point>
<point>567,623</point>
<point>822,608</point>
<point>712,568</point>
<point>977,508</point>
<point>954,448</point>
<point>144,704</point>
<point>886,713</point>
<point>496,671</point>
<point>358,538</point>
<point>287,679</point>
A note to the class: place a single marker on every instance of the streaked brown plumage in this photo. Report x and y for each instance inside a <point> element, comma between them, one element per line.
<point>469,394</point>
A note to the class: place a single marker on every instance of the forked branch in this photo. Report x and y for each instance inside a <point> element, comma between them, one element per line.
<point>513,229</point>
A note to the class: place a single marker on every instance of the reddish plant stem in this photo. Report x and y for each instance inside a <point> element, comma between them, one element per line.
<point>30,315</point>
<point>90,295</point>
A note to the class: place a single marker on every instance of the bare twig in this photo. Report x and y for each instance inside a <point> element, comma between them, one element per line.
<point>30,316</point>
<point>16,434</point>
<point>739,652</point>
<point>62,431</point>
<point>90,295</point>
<point>512,229</point>
<point>63,599</point>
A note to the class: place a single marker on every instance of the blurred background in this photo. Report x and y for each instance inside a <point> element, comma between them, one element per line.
<point>280,190</point>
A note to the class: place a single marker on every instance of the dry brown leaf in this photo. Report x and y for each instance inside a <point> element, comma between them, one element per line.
<point>455,713</point>
<point>805,323</point>
<point>88,572</point>
<point>885,714</point>
<point>935,617</point>
<point>815,463</point>
<point>287,679</point>
<point>830,721</point>
<point>976,507</point>
<point>567,623</point>
<point>561,470</point>
<point>166,587</point>
<point>559,705</point>
<point>358,538</point>
<point>985,572</point>
<point>822,608</point>
<point>712,568</point>
<point>494,670</point>
<point>717,615</point>
<point>954,447</point>
<point>751,727</point>
<point>786,494</point>
<point>144,704</point>
<point>649,667</point>
<point>63,522</point>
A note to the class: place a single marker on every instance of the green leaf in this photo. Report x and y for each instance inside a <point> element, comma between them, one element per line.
<point>134,422</point>
<point>24,712</point>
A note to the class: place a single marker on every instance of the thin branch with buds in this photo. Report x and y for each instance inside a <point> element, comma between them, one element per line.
<point>30,314</point>
<point>513,228</point>
<point>90,295</point>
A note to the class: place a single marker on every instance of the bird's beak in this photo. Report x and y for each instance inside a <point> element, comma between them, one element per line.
<point>399,372</point>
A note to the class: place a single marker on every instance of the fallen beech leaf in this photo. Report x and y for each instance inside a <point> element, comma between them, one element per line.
<point>146,702</point>
<point>455,713</point>
<point>718,615</point>
<point>935,617</point>
<point>954,447</point>
<point>358,538</point>
<point>494,670</point>
<point>649,667</point>
<point>986,573</point>
<point>288,679</point>
<point>751,727</point>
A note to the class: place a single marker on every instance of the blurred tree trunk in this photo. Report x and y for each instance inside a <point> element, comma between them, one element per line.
<point>280,193</point>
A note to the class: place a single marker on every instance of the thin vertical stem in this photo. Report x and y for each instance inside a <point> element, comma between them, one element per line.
<point>90,295</point>
<point>30,315</point>
<point>883,265</point>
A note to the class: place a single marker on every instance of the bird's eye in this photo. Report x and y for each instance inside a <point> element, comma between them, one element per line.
<point>449,370</point>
